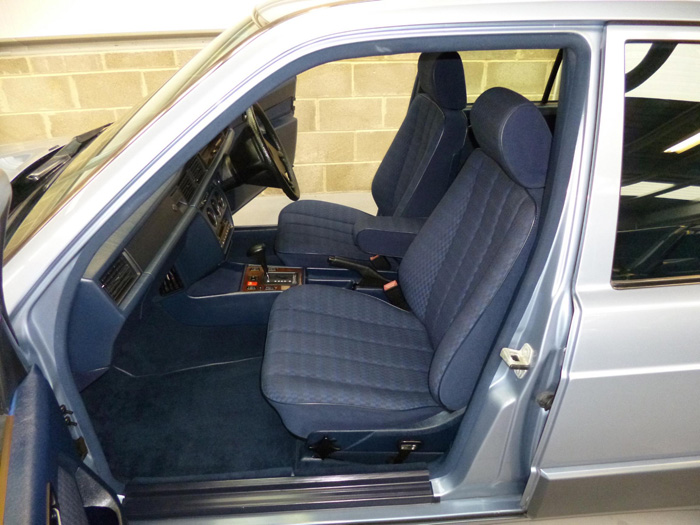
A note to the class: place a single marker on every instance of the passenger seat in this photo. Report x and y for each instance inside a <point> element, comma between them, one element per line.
<point>337,359</point>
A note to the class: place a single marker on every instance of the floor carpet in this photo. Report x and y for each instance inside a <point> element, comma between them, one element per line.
<point>186,401</point>
<point>154,342</point>
<point>206,420</point>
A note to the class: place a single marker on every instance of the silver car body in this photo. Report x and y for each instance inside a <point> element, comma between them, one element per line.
<point>627,362</point>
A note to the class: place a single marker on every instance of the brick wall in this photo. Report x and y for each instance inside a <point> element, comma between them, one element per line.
<point>348,111</point>
<point>62,90</point>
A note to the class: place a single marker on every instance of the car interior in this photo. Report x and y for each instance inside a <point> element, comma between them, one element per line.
<point>337,342</point>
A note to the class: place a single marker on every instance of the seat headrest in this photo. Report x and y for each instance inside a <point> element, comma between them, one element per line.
<point>441,77</point>
<point>512,131</point>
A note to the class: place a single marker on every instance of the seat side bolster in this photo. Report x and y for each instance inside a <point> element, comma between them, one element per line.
<point>453,378</point>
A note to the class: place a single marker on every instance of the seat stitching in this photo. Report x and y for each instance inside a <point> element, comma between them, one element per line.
<point>465,246</point>
<point>417,143</point>
<point>317,218</point>
<point>423,307</point>
<point>363,361</point>
<point>336,382</point>
<point>467,287</point>
<point>298,309</point>
<point>445,366</point>
<point>348,338</point>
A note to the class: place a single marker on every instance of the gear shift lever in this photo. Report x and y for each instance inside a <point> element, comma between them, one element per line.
<point>257,251</point>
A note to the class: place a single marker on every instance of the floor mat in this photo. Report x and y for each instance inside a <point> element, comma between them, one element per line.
<point>157,343</point>
<point>207,420</point>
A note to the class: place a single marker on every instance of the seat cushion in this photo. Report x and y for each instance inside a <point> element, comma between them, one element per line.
<point>336,359</point>
<point>309,231</point>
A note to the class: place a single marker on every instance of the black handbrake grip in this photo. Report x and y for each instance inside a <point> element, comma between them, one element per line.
<point>370,276</point>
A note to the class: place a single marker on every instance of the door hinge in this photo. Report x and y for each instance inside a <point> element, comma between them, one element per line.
<point>67,416</point>
<point>518,360</point>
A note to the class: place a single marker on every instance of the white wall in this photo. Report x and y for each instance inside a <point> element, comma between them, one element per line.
<point>22,19</point>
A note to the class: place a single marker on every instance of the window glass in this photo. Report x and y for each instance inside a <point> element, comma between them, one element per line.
<point>658,233</point>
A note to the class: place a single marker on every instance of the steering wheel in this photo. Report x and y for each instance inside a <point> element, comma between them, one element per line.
<point>270,151</point>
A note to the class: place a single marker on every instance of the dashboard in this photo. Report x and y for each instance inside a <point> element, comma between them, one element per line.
<point>173,241</point>
<point>188,221</point>
<point>198,187</point>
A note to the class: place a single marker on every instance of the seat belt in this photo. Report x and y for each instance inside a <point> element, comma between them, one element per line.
<point>393,292</point>
<point>380,263</point>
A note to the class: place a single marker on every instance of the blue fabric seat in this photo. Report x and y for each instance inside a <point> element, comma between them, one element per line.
<point>317,339</point>
<point>313,230</point>
<point>336,359</point>
<point>415,173</point>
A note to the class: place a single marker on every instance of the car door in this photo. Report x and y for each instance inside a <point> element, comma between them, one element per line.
<point>42,477</point>
<point>623,430</point>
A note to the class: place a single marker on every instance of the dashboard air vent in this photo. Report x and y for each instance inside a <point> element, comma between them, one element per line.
<point>187,187</point>
<point>172,283</point>
<point>196,169</point>
<point>119,278</point>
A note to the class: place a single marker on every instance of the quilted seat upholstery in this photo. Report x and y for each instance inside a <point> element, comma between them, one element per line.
<point>312,230</point>
<point>319,336</point>
<point>337,360</point>
<point>414,174</point>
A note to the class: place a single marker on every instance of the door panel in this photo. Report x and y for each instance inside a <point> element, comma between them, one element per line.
<point>623,431</point>
<point>44,472</point>
<point>42,478</point>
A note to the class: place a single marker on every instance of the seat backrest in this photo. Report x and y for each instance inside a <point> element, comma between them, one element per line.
<point>423,158</point>
<point>460,273</point>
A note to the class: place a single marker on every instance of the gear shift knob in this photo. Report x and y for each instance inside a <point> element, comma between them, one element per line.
<point>257,251</point>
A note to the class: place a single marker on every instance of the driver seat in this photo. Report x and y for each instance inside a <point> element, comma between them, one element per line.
<point>414,175</point>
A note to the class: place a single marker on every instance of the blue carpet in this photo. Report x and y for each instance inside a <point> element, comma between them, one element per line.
<point>207,420</point>
<point>185,400</point>
<point>152,342</point>
<point>184,403</point>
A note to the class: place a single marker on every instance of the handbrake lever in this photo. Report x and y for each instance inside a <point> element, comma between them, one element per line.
<point>370,276</point>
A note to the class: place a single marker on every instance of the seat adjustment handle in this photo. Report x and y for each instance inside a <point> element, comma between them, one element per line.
<point>406,446</point>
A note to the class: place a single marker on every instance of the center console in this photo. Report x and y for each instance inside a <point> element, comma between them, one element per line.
<point>276,279</point>
<point>215,207</point>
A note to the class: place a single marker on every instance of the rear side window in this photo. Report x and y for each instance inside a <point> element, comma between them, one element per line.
<point>658,231</point>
